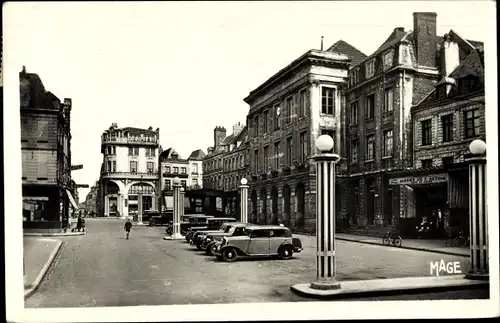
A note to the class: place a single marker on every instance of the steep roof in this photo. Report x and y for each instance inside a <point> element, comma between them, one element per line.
<point>197,155</point>
<point>32,91</point>
<point>137,131</point>
<point>347,49</point>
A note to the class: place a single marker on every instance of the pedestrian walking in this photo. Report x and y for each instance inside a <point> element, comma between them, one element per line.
<point>128,226</point>
<point>79,223</point>
<point>83,224</point>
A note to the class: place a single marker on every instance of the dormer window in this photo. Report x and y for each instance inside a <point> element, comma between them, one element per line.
<point>388,58</point>
<point>468,83</point>
<point>370,68</point>
<point>354,77</point>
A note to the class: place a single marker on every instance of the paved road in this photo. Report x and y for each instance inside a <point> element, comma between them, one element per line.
<point>103,269</point>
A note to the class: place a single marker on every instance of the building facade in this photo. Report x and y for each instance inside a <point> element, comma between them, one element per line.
<point>90,204</point>
<point>379,131</point>
<point>445,122</point>
<point>287,113</point>
<point>172,165</point>
<point>129,170</point>
<point>48,193</point>
<point>195,178</point>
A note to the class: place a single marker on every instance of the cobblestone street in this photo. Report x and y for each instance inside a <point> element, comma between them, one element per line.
<point>103,269</point>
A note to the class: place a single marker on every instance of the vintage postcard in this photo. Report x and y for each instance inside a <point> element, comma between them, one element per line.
<point>291,160</point>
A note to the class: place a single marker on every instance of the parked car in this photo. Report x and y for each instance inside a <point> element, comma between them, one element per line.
<point>193,220</point>
<point>212,240</point>
<point>157,218</point>
<point>213,225</point>
<point>259,241</point>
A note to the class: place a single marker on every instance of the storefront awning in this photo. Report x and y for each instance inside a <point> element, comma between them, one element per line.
<point>71,199</point>
<point>420,180</point>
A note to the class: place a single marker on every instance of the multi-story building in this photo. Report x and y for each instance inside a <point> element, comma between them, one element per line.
<point>46,156</point>
<point>378,133</point>
<point>287,113</point>
<point>195,178</point>
<point>224,166</point>
<point>129,170</point>
<point>445,122</point>
<point>90,203</point>
<point>171,165</point>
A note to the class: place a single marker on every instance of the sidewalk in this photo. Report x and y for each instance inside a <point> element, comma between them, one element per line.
<point>55,234</point>
<point>38,253</point>
<point>436,245</point>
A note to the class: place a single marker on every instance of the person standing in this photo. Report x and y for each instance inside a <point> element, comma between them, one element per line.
<point>79,223</point>
<point>82,223</point>
<point>128,226</point>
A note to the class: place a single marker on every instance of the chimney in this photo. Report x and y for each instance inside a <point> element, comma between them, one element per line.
<point>450,56</point>
<point>219,135</point>
<point>114,125</point>
<point>237,128</point>
<point>425,38</point>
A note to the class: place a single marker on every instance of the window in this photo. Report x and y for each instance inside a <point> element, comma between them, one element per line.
<point>167,169</point>
<point>110,167</point>
<point>289,151</point>
<point>266,157</point>
<point>42,165</point>
<point>388,59</point>
<point>150,152</point>
<point>256,125</point>
<point>114,166</point>
<point>279,233</point>
<point>133,167</point>
<point>303,147</point>
<point>43,131</point>
<point>370,69</point>
<point>388,100</point>
<point>354,113</point>
<point>276,117</point>
<point>354,151</point>
<point>327,100</point>
<point>388,146</point>
<point>331,133</point>
<point>195,168</point>
<point>150,167</point>
<point>277,155</point>
<point>266,117</point>
<point>447,124</point>
<point>183,170</point>
<point>133,151</point>
<point>302,104</point>
<point>183,184</point>
<point>370,148</point>
<point>447,160</point>
<point>168,185</point>
<point>176,170</point>
<point>426,132</point>
<point>354,76</point>
<point>370,106</point>
<point>111,150</point>
<point>288,110</point>
<point>194,182</point>
<point>472,123</point>
<point>427,163</point>
<point>259,234</point>
<point>256,160</point>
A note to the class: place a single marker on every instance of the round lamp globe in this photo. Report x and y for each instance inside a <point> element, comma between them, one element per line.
<point>176,181</point>
<point>244,181</point>
<point>477,147</point>
<point>324,143</point>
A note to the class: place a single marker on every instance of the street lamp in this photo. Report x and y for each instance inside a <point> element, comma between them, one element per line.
<point>139,208</point>
<point>325,221</point>
<point>244,200</point>
<point>181,200</point>
<point>478,220</point>
<point>176,232</point>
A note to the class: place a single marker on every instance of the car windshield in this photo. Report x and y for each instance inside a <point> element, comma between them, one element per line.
<point>230,229</point>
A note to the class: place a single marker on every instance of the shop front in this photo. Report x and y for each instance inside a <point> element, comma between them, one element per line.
<point>42,209</point>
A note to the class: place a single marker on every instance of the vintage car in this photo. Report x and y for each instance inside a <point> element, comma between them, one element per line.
<point>157,218</point>
<point>212,240</point>
<point>193,221</point>
<point>213,225</point>
<point>259,241</point>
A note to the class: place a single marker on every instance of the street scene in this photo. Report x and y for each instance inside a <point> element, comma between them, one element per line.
<point>193,157</point>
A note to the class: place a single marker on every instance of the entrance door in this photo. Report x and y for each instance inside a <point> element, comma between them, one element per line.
<point>370,209</point>
<point>389,207</point>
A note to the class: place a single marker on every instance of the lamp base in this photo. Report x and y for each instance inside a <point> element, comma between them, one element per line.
<point>177,236</point>
<point>325,285</point>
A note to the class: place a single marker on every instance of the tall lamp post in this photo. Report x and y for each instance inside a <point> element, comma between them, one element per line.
<point>139,206</point>
<point>182,194</point>
<point>244,200</point>
<point>176,230</point>
<point>325,221</point>
<point>478,220</point>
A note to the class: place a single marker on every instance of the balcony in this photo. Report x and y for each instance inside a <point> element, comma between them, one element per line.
<point>128,141</point>
<point>171,174</point>
<point>130,175</point>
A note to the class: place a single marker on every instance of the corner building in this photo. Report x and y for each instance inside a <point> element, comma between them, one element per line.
<point>287,113</point>
<point>379,130</point>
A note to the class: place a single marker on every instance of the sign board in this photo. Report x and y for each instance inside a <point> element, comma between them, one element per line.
<point>76,167</point>
<point>82,185</point>
<point>420,180</point>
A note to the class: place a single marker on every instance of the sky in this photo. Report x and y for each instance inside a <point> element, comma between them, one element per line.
<point>185,67</point>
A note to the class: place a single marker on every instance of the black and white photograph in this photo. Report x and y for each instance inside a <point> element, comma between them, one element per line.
<point>233,161</point>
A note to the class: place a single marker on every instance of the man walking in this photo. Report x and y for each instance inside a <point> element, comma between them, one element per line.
<point>128,226</point>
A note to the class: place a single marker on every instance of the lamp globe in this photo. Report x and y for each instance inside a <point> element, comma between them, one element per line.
<point>477,147</point>
<point>244,181</point>
<point>324,143</point>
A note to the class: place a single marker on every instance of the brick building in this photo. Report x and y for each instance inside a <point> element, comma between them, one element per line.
<point>48,190</point>
<point>224,166</point>
<point>287,113</point>
<point>445,122</point>
<point>378,133</point>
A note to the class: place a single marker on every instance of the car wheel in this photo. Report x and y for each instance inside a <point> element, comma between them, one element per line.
<point>285,252</point>
<point>229,255</point>
<point>151,223</point>
<point>198,246</point>
<point>208,250</point>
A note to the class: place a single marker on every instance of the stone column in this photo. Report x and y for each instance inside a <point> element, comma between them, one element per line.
<point>176,232</point>
<point>106,206</point>
<point>325,221</point>
<point>478,221</point>
<point>244,201</point>
<point>181,203</point>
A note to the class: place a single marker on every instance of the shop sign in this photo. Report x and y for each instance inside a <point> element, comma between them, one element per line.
<point>420,180</point>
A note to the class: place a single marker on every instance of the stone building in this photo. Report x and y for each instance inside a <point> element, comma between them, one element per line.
<point>90,203</point>
<point>129,170</point>
<point>378,133</point>
<point>287,113</point>
<point>48,199</point>
<point>195,160</point>
<point>445,122</point>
